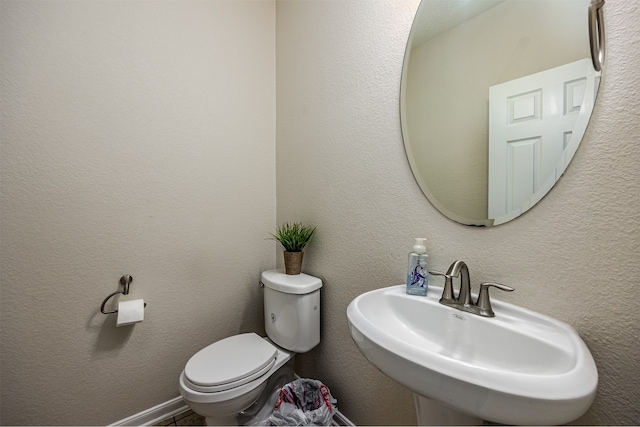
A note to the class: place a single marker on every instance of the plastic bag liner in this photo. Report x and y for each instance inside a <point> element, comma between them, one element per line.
<point>303,402</point>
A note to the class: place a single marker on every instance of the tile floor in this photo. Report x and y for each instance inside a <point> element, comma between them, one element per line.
<point>190,418</point>
<point>187,418</point>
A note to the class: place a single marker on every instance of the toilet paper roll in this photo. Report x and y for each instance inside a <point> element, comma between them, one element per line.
<point>129,312</point>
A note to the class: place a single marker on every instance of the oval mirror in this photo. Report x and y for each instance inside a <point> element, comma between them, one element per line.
<point>495,98</point>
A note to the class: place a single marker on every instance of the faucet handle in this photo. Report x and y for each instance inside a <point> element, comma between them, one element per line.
<point>484,303</point>
<point>447,292</point>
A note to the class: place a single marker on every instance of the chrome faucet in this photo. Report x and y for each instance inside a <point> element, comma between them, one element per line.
<point>463,301</point>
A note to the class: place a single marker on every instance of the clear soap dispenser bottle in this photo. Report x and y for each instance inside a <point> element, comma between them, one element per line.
<point>417,274</point>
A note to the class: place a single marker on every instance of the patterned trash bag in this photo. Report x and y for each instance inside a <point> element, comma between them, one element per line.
<point>303,402</point>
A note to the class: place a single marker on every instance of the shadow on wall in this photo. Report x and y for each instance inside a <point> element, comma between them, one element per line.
<point>251,319</point>
<point>109,339</point>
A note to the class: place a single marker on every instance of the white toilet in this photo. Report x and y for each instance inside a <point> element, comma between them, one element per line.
<point>233,381</point>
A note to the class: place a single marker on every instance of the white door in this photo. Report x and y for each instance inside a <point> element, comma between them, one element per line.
<point>532,124</point>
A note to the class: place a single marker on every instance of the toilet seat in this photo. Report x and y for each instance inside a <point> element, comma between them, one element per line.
<point>230,363</point>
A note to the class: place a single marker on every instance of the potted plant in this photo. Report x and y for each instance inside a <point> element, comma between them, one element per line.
<point>293,237</point>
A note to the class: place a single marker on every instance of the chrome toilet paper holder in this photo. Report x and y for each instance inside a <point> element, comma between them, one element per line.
<point>124,280</point>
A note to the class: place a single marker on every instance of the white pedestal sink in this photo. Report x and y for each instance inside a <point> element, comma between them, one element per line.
<point>519,367</point>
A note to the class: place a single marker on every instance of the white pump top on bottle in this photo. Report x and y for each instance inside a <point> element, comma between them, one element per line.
<point>419,247</point>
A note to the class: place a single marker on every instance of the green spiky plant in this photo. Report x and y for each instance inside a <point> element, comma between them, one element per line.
<point>293,236</point>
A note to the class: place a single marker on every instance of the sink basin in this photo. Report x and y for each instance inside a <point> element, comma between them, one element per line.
<point>519,367</point>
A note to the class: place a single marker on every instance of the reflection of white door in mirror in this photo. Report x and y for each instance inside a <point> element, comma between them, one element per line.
<point>533,122</point>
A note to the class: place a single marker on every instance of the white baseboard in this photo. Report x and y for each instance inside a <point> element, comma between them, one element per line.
<point>340,420</point>
<point>153,415</point>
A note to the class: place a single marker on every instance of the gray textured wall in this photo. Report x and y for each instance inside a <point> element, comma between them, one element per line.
<point>125,149</point>
<point>341,166</point>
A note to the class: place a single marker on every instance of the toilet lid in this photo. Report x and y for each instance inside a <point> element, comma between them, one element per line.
<point>230,363</point>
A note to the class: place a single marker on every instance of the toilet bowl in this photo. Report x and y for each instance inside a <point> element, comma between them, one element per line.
<point>235,380</point>
<point>220,394</point>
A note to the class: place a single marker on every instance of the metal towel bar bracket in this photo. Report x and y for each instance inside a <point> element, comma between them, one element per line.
<point>124,280</point>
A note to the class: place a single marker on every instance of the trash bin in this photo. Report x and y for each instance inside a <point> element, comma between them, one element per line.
<point>303,402</point>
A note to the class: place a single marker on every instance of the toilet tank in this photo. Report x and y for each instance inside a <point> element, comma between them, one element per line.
<point>292,309</point>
